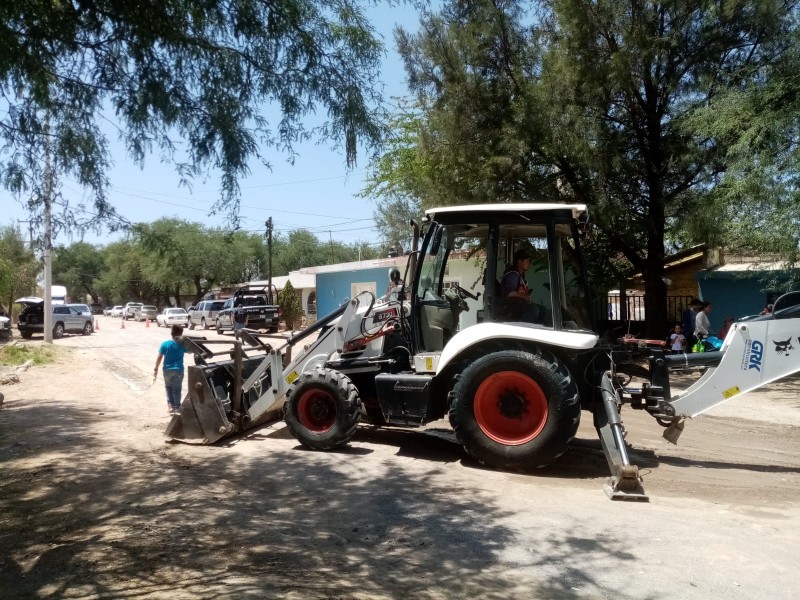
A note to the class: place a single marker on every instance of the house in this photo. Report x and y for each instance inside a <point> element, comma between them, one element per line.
<point>336,283</point>
<point>742,286</point>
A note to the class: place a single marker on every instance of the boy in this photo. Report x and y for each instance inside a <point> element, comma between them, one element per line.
<point>172,353</point>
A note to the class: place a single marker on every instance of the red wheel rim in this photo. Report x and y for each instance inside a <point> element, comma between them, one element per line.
<point>316,411</point>
<point>510,408</point>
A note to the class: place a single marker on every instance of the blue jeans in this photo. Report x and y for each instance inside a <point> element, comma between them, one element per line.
<point>173,380</point>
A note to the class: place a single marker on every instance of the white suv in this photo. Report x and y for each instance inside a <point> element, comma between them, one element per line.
<point>129,312</point>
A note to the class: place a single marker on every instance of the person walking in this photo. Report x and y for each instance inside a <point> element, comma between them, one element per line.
<point>689,318</point>
<point>171,352</point>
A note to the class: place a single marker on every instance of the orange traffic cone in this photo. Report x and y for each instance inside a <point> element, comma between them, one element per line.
<point>96,325</point>
<point>122,324</point>
<point>147,323</point>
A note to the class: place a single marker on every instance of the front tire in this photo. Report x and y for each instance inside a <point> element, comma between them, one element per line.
<point>219,329</point>
<point>323,409</point>
<point>515,410</point>
<point>87,329</point>
<point>203,323</point>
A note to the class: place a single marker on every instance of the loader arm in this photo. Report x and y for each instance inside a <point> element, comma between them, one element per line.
<point>754,353</point>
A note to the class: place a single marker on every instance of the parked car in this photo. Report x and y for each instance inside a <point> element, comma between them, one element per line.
<point>97,309</point>
<point>84,308</point>
<point>146,313</point>
<point>5,328</point>
<point>67,318</point>
<point>107,311</point>
<point>205,313</point>
<point>172,316</point>
<point>116,311</point>
<point>129,311</point>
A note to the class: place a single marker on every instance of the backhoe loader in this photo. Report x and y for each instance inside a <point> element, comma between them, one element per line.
<point>513,390</point>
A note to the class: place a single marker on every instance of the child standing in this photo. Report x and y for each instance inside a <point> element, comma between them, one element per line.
<point>677,341</point>
<point>171,352</point>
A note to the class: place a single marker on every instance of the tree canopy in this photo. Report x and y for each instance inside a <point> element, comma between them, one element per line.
<point>174,261</point>
<point>18,267</point>
<point>208,85</point>
<point>593,102</point>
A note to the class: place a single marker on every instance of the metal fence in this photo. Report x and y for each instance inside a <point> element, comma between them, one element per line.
<point>611,310</point>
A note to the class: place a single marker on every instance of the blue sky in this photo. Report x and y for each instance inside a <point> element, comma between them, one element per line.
<point>316,192</point>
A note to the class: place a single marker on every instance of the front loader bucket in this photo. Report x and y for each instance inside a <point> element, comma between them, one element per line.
<point>202,416</point>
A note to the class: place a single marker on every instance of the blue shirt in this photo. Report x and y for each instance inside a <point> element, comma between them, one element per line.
<point>173,353</point>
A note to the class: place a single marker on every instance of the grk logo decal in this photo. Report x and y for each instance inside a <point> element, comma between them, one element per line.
<point>756,354</point>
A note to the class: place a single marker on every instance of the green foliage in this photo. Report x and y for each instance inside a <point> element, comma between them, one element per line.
<point>170,259</point>
<point>301,248</point>
<point>291,305</point>
<point>209,85</point>
<point>78,267</point>
<point>18,267</point>
<point>17,355</point>
<point>581,101</point>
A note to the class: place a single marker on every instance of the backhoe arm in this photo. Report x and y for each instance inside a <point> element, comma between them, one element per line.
<point>754,354</point>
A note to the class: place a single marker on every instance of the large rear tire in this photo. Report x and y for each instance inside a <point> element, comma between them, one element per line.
<point>323,409</point>
<point>515,410</point>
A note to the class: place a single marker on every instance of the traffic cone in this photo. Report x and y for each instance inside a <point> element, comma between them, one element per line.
<point>122,324</point>
<point>96,325</point>
<point>146,323</point>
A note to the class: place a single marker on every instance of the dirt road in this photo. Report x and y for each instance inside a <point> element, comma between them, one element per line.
<point>96,503</point>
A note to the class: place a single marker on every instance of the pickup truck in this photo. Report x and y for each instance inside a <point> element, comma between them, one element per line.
<point>254,307</point>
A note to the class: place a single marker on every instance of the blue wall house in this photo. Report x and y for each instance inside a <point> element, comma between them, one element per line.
<point>742,289</point>
<point>337,283</point>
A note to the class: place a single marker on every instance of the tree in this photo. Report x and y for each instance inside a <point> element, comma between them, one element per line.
<point>18,267</point>
<point>756,205</point>
<point>400,178</point>
<point>590,102</point>
<point>78,267</point>
<point>291,306</point>
<point>209,85</point>
<point>301,248</point>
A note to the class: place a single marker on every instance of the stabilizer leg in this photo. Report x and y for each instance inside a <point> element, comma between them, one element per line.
<point>624,483</point>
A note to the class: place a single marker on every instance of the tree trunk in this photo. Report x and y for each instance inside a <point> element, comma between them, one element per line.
<point>198,290</point>
<point>177,295</point>
<point>655,289</point>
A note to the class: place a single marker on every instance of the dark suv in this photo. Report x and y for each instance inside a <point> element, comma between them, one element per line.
<point>67,318</point>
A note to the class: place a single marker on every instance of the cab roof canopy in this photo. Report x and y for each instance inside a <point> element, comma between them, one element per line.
<point>507,213</point>
<point>515,220</point>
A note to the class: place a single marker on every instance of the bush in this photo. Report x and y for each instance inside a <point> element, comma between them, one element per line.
<point>17,355</point>
<point>291,306</point>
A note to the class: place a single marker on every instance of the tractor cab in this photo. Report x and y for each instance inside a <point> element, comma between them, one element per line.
<point>464,263</point>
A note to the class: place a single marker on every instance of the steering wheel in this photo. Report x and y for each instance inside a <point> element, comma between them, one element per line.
<point>457,296</point>
<point>464,293</point>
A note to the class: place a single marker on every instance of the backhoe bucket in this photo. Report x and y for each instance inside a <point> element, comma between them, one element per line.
<point>202,415</point>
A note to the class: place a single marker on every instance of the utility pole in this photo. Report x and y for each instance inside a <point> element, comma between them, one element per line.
<point>269,259</point>
<point>48,234</point>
